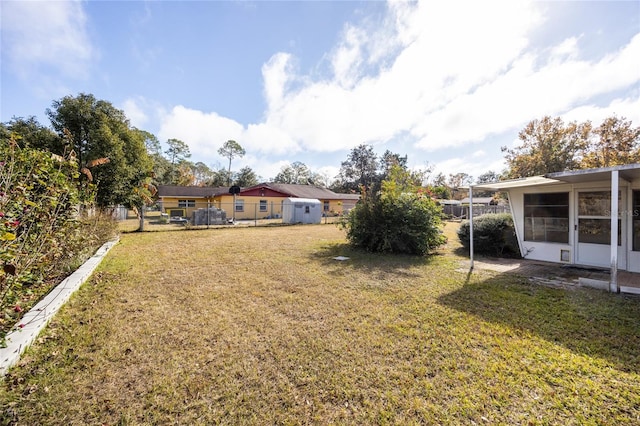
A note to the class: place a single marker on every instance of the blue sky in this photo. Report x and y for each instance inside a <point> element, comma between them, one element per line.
<point>446,83</point>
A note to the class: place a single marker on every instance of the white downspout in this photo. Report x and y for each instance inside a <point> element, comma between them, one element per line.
<point>471,225</point>
<point>613,286</point>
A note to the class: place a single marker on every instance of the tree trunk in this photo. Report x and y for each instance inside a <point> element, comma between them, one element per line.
<point>141,216</point>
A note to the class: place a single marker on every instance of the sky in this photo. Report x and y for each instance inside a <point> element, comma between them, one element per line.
<point>446,83</point>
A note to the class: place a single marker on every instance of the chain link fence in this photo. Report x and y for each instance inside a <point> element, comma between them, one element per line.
<point>215,214</point>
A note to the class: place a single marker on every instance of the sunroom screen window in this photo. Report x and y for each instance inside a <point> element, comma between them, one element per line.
<point>546,217</point>
<point>594,217</point>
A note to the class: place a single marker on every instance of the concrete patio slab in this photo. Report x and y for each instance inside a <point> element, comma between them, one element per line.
<point>559,275</point>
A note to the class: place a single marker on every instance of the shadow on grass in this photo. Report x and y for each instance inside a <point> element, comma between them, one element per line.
<point>377,264</point>
<point>585,321</point>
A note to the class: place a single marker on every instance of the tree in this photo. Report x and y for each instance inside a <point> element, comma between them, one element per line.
<point>97,130</point>
<point>141,197</point>
<point>359,170</point>
<point>488,177</point>
<point>177,152</point>
<point>161,170</point>
<point>441,192</point>
<point>184,174</point>
<point>28,132</point>
<point>319,179</point>
<point>151,142</point>
<point>548,145</point>
<point>294,173</point>
<point>390,159</point>
<point>615,142</point>
<point>458,183</point>
<point>220,178</point>
<point>202,174</point>
<point>231,149</point>
<point>439,180</point>
<point>246,177</point>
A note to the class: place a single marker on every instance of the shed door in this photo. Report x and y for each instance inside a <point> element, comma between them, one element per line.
<point>593,230</point>
<point>298,215</point>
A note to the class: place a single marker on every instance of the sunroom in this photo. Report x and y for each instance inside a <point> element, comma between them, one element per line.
<point>572,218</point>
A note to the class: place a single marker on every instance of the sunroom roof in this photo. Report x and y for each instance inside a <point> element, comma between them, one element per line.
<point>628,172</point>
<point>515,183</point>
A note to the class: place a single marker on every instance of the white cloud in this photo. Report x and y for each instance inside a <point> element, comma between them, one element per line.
<point>347,58</point>
<point>135,112</point>
<point>436,64</point>
<point>46,34</point>
<point>268,139</point>
<point>629,108</point>
<point>204,133</point>
<point>440,75</point>
<point>470,165</point>
<point>568,49</point>
<point>526,92</point>
<point>275,74</point>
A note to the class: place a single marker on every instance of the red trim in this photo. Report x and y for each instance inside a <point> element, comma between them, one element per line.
<point>262,192</point>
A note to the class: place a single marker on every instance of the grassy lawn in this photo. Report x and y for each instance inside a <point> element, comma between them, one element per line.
<point>262,326</point>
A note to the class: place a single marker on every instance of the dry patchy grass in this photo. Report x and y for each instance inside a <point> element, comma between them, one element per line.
<point>262,326</point>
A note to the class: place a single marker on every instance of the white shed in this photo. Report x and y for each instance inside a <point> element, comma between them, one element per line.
<point>301,210</point>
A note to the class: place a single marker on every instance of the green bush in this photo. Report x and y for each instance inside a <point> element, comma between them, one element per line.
<point>406,223</point>
<point>43,234</point>
<point>493,235</point>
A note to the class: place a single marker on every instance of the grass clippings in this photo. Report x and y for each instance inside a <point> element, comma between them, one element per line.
<point>263,326</point>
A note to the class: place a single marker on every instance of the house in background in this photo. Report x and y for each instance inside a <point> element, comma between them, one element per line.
<point>572,218</point>
<point>182,201</point>
<point>260,201</point>
<point>265,200</point>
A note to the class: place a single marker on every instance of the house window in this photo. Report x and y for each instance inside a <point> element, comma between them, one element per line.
<point>263,205</point>
<point>186,203</point>
<point>306,209</point>
<point>326,206</point>
<point>239,205</point>
<point>546,217</point>
<point>594,218</point>
<point>635,214</point>
<point>176,212</point>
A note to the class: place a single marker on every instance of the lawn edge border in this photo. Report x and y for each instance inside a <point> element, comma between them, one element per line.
<point>34,321</point>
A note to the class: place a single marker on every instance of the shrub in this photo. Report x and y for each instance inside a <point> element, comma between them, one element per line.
<point>493,235</point>
<point>42,233</point>
<point>395,221</point>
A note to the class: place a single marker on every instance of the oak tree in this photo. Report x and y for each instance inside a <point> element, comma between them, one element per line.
<point>548,145</point>
<point>98,131</point>
<point>614,142</point>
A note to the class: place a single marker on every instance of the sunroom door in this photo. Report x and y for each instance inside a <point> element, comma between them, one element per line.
<point>634,245</point>
<point>593,230</point>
